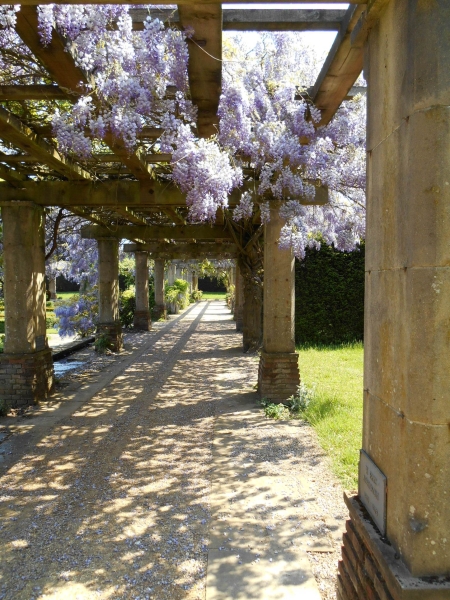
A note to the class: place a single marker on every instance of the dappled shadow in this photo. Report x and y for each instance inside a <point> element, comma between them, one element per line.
<point>114,501</point>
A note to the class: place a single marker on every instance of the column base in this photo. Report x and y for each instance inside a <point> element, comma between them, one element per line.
<point>159,312</point>
<point>25,379</point>
<point>371,568</point>
<point>112,334</point>
<point>142,320</point>
<point>278,375</point>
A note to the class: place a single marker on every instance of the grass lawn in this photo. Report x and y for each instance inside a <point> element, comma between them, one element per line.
<point>214,295</point>
<point>336,374</point>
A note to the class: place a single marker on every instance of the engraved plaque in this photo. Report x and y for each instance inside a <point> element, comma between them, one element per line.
<point>40,341</point>
<point>372,490</point>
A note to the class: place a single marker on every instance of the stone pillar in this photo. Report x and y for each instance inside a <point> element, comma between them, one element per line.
<point>26,367</point>
<point>232,282</point>
<point>194,282</point>
<point>239,300</point>
<point>52,288</point>
<point>142,319</point>
<point>278,375</point>
<point>171,273</point>
<point>406,423</point>
<point>108,293</point>
<point>159,310</point>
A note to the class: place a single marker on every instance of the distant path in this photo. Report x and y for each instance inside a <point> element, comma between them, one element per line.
<point>160,479</point>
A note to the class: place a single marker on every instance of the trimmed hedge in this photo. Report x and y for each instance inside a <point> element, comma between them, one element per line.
<point>329,296</point>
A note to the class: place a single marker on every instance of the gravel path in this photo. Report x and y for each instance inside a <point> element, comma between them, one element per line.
<point>113,500</point>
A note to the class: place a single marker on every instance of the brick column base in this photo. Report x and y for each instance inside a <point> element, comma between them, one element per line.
<point>113,334</point>
<point>278,375</point>
<point>239,318</point>
<point>159,312</point>
<point>25,379</point>
<point>142,320</point>
<point>371,569</point>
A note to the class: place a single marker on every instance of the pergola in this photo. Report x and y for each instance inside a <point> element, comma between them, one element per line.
<point>400,548</point>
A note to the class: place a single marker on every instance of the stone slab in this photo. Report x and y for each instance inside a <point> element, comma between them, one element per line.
<point>270,575</point>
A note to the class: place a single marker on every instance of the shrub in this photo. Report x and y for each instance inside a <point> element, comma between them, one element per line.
<point>127,306</point>
<point>329,296</point>
<point>196,295</point>
<point>178,293</point>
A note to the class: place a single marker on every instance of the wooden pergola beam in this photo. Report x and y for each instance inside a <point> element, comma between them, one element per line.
<point>185,247</point>
<point>109,194</point>
<point>341,68</point>
<point>34,92</point>
<point>158,232</point>
<point>21,136</point>
<point>170,2</point>
<point>205,62</point>
<point>255,19</point>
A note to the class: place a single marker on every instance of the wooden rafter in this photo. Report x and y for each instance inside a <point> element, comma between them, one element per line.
<point>170,2</point>
<point>255,19</point>
<point>341,69</point>
<point>21,136</point>
<point>158,232</point>
<point>205,62</point>
<point>32,92</point>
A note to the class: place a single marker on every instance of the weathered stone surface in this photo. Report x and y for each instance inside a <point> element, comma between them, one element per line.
<point>112,332</point>
<point>407,328</point>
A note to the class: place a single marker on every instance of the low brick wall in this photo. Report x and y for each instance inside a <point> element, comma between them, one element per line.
<point>159,312</point>
<point>278,375</point>
<point>26,378</point>
<point>370,568</point>
<point>113,333</point>
<point>142,320</point>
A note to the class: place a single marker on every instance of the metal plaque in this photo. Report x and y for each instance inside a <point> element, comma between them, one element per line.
<point>372,490</point>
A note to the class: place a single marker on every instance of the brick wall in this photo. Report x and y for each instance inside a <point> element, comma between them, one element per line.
<point>26,378</point>
<point>371,569</point>
<point>278,375</point>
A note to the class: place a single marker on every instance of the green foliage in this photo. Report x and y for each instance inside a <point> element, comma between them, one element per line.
<point>196,295</point>
<point>329,296</point>
<point>178,293</point>
<point>127,306</point>
<point>274,411</point>
<point>335,408</point>
<point>299,402</point>
<point>102,344</point>
<point>127,267</point>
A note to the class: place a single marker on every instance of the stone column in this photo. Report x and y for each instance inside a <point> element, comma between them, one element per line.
<point>142,319</point>
<point>239,300</point>
<point>108,293</point>
<point>194,282</point>
<point>232,280</point>
<point>159,310</point>
<point>406,423</point>
<point>26,367</point>
<point>52,288</point>
<point>278,375</point>
<point>171,273</point>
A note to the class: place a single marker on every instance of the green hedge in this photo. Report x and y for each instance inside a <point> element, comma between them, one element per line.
<point>329,296</point>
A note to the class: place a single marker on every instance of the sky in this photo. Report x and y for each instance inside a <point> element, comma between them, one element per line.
<point>322,40</point>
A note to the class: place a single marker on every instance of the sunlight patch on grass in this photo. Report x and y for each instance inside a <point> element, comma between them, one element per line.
<point>336,375</point>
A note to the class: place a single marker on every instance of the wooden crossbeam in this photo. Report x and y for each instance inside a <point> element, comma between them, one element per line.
<point>13,177</point>
<point>181,246</point>
<point>33,92</point>
<point>170,2</point>
<point>341,68</point>
<point>122,193</point>
<point>158,232</point>
<point>205,62</point>
<point>21,136</point>
<point>254,19</point>
<point>130,215</point>
<point>80,211</point>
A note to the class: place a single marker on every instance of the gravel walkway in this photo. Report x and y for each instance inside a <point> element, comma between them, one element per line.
<point>111,497</point>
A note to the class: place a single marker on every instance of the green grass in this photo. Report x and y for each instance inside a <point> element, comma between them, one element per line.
<point>335,373</point>
<point>214,295</point>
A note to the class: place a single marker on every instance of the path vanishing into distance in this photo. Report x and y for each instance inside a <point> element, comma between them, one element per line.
<point>160,477</point>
